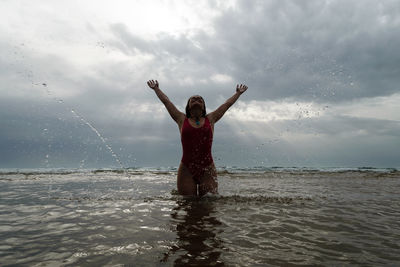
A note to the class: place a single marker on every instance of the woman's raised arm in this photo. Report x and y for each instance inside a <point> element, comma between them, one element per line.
<point>172,110</point>
<point>219,112</point>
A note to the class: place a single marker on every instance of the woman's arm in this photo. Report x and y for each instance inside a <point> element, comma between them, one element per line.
<point>219,112</point>
<point>172,110</point>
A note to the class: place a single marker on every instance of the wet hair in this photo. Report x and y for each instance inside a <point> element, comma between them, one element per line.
<point>203,114</point>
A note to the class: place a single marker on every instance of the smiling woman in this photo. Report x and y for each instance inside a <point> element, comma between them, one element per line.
<point>197,175</point>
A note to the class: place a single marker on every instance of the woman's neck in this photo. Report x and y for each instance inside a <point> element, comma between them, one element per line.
<point>195,115</point>
<point>196,118</point>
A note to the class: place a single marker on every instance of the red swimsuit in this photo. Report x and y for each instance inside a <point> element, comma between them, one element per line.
<point>196,144</point>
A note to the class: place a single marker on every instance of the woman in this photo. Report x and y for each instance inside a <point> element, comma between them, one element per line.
<point>197,175</point>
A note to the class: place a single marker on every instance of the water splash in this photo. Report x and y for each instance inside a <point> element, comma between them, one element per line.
<point>82,119</point>
<point>28,73</point>
<point>87,123</point>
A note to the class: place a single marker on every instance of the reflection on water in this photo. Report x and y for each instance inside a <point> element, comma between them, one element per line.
<point>104,218</point>
<point>197,229</point>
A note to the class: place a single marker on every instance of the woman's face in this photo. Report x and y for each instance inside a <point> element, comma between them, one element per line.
<point>196,101</point>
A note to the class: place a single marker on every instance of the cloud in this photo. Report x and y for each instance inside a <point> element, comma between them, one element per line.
<point>320,48</point>
<point>267,111</point>
<point>222,78</point>
<point>323,79</point>
<point>327,51</point>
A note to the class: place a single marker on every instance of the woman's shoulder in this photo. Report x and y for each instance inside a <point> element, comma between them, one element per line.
<point>209,117</point>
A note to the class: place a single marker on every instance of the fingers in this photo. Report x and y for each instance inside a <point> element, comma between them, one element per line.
<point>152,84</point>
<point>241,87</point>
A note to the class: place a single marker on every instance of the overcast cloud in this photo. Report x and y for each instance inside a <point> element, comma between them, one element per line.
<point>323,81</point>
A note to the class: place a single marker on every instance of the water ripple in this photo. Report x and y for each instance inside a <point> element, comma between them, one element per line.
<point>280,218</point>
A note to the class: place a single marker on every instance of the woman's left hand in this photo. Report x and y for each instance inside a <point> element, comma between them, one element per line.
<point>241,88</point>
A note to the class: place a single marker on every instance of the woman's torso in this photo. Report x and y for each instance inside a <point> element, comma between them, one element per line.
<point>196,145</point>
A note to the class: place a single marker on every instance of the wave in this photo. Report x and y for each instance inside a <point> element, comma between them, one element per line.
<point>231,169</point>
<point>63,171</point>
<point>221,199</point>
<point>220,171</point>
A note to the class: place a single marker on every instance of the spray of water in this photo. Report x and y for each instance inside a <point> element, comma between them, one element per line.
<point>335,78</point>
<point>82,119</point>
<point>104,141</point>
<point>87,123</point>
<point>27,73</point>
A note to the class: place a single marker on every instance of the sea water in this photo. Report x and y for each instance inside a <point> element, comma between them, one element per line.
<point>261,217</point>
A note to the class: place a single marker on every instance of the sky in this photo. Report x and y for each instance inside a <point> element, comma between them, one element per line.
<point>323,78</point>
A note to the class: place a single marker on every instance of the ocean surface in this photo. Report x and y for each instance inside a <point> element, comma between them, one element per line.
<point>261,217</point>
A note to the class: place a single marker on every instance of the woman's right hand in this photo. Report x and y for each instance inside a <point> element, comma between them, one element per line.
<point>153,84</point>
